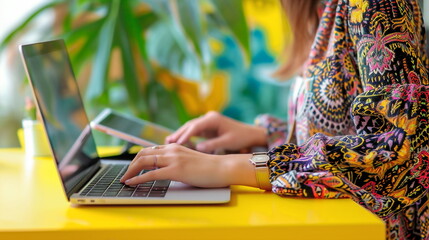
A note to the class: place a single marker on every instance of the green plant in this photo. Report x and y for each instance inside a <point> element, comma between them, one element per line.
<point>142,37</point>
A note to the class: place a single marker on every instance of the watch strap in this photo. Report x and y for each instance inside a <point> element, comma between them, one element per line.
<point>262,172</point>
<point>263,178</point>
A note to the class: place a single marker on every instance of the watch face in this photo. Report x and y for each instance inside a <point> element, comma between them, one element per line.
<point>260,158</point>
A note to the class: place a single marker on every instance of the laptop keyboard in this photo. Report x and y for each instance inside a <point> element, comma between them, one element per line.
<point>107,184</point>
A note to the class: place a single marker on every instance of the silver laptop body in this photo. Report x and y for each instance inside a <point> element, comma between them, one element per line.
<point>82,172</point>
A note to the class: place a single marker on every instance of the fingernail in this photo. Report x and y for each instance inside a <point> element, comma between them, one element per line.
<point>128,182</point>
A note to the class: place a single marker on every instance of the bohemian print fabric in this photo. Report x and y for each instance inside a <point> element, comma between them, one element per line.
<point>363,131</point>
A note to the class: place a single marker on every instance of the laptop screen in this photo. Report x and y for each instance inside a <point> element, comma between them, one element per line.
<point>60,104</point>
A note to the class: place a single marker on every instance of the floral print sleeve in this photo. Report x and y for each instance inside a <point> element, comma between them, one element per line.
<point>385,165</point>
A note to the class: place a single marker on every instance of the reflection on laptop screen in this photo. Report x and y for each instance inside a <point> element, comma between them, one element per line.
<point>59,101</point>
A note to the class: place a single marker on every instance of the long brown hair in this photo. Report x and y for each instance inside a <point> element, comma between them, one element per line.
<point>303,21</point>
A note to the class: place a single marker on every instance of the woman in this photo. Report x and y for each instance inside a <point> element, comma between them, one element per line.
<point>359,125</point>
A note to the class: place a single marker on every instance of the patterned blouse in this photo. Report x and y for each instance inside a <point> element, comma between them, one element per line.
<point>360,116</point>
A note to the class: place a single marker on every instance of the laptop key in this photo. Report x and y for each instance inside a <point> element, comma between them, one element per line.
<point>147,183</point>
<point>143,189</point>
<point>98,189</point>
<point>159,188</point>
<point>110,194</point>
<point>162,183</point>
<point>157,194</point>
<point>125,194</point>
<point>140,194</point>
<point>95,194</point>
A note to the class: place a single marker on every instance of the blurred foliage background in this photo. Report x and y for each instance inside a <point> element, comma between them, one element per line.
<point>165,60</point>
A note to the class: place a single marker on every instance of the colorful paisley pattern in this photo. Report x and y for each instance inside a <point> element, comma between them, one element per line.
<point>362,128</point>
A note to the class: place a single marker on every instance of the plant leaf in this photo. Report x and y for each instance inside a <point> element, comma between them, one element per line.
<point>192,22</point>
<point>166,104</point>
<point>135,31</point>
<point>146,20</point>
<point>129,37</point>
<point>232,13</point>
<point>159,6</point>
<point>97,83</point>
<point>80,57</point>
<point>89,33</point>
<point>171,51</point>
<point>189,19</point>
<point>75,34</point>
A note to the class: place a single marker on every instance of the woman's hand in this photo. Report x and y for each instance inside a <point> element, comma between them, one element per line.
<point>221,133</point>
<point>178,163</point>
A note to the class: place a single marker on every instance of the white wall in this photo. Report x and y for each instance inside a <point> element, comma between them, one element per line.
<point>12,12</point>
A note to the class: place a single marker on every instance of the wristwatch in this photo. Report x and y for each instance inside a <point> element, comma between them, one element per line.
<point>260,160</point>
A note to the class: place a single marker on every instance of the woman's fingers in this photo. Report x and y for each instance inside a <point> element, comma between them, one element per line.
<point>146,162</point>
<point>193,130</point>
<point>176,135</point>
<point>164,158</point>
<point>174,138</point>
<point>154,150</point>
<point>148,158</point>
<point>158,174</point>
<point>213,144</point>
<point>195,127</point>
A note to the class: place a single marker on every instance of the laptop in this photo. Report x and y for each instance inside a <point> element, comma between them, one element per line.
<point>86,178</point>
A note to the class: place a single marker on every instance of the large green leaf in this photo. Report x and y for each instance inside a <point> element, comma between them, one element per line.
<point>144,21</point>
<point>128,38</point>
<point>87,38</point>
<point>73,35</point>
<point>171,50</point>
<point>191,20</point>
<point>161,7</point>
<point>130,74</point>
<point>232,13</point>
<point>168,107</point>
<point>135,26</point>
<point>97,84</point>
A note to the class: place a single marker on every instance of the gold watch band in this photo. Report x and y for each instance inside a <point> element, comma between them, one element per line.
<point>262,173</point>
<point>263,178</point>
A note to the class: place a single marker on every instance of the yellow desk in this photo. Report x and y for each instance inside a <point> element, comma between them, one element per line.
<point>33,206</point>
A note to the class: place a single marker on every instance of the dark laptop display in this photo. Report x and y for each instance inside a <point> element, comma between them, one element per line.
<point>61,106</point>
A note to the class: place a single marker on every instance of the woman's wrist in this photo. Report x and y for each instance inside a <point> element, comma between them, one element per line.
<point>260,136</point>
<point>239,170</point>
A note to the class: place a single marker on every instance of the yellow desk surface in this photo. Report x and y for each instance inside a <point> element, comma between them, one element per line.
<point>33,206</point>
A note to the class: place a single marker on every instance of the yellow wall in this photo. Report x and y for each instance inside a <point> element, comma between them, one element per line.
<point>268,15</point>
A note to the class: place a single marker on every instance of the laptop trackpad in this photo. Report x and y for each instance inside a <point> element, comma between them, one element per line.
<point>208,195</point>
<point>180,185</point>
